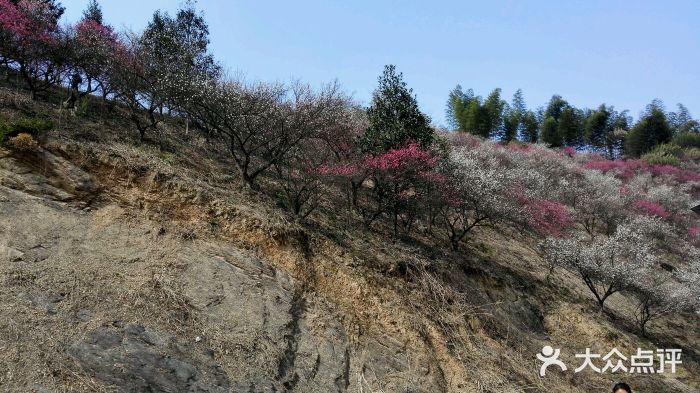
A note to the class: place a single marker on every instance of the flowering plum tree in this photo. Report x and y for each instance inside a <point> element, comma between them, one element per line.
<point>31,40</point>
<point>136,85</point>
<point>658,294</point>
<point>301,173</point>
<point>477,191</point>
<point>95,49</point>
<point>262,122</point>
<point>398,180</point>
<point>548,217</point>
<point>602,203</point>
<point>610,264</point>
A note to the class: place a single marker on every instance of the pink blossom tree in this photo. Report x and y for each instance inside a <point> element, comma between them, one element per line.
<point>32,41</point>
<point>96,51</point>
<point>399,180</point>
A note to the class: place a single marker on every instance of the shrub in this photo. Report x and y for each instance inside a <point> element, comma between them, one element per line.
<point>660,159</point>
<point>666,154</point>
<point>30,126</point>
<point>22,142</point>
<point>687,139</point>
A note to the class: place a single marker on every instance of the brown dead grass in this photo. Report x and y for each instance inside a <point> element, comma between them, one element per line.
<point>444,308</point>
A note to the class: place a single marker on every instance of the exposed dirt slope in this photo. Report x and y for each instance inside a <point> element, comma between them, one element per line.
<point>124,269</point>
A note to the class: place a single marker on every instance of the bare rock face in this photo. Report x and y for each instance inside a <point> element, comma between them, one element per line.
<point>100,299</point>
<point>292,343</point>
<point>45,174</point>
<point>148,361</point>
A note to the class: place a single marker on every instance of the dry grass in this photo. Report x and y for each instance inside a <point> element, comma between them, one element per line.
<point>453,312</point>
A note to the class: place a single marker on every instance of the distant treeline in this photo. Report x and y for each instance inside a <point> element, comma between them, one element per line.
<point>560,124</point>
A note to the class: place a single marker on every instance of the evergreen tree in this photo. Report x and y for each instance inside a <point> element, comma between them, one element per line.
<point>549,132</point>
<point>681,121</point>
<point>601,129</point>
<point>569,127</point>
<point>530,127</point>
<point>457,107</point>
<point>555,107</point>
<point>511,122</point>
<point>394,117</point>
<point>596,126</point>
<point>512,117</point>
<point>518,103</point>
<point>494,107</point>
<point>652,129</point>
<point>93,12</point>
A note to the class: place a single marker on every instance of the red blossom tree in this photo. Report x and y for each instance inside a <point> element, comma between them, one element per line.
<point>96,50</point>
<point>394,183</point>
<point>548,217</point>
<point>651,208</point>
<point>32,42</point>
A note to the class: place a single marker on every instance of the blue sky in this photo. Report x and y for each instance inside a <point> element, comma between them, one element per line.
<point>623,53</point>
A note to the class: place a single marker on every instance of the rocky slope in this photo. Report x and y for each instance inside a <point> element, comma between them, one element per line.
<point>122,271</point>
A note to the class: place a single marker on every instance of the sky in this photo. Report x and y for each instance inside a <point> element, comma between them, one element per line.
<point>622,53</point>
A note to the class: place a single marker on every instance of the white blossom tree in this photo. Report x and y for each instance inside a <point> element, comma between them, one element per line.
<point>262,122</point>
<point>612,264</point>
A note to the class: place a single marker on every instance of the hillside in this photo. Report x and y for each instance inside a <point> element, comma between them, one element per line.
<point>144,266</point>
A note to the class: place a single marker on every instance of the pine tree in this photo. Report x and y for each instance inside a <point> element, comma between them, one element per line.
<point>394,117</point>
<point>93,12</point>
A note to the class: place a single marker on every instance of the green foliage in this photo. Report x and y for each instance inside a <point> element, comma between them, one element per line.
<point>549,133</point>
<point>555,107</point>
<point>510,126</point>
<point>692,153</point>
<point>530,127</point>
<point>394,117</point>
<point>570,126</point>
<point>601,129</point>
<point>474,115</point>
<point>682,122</point>
<point>82,107</point>
<point>29,125</point>
<point>651,130</point>
<point>4,131</point>
<point>666,154</point>
<point>93,12</point>
<point>597,126</point>
<point>513,117</point>
<point>687,139</point>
